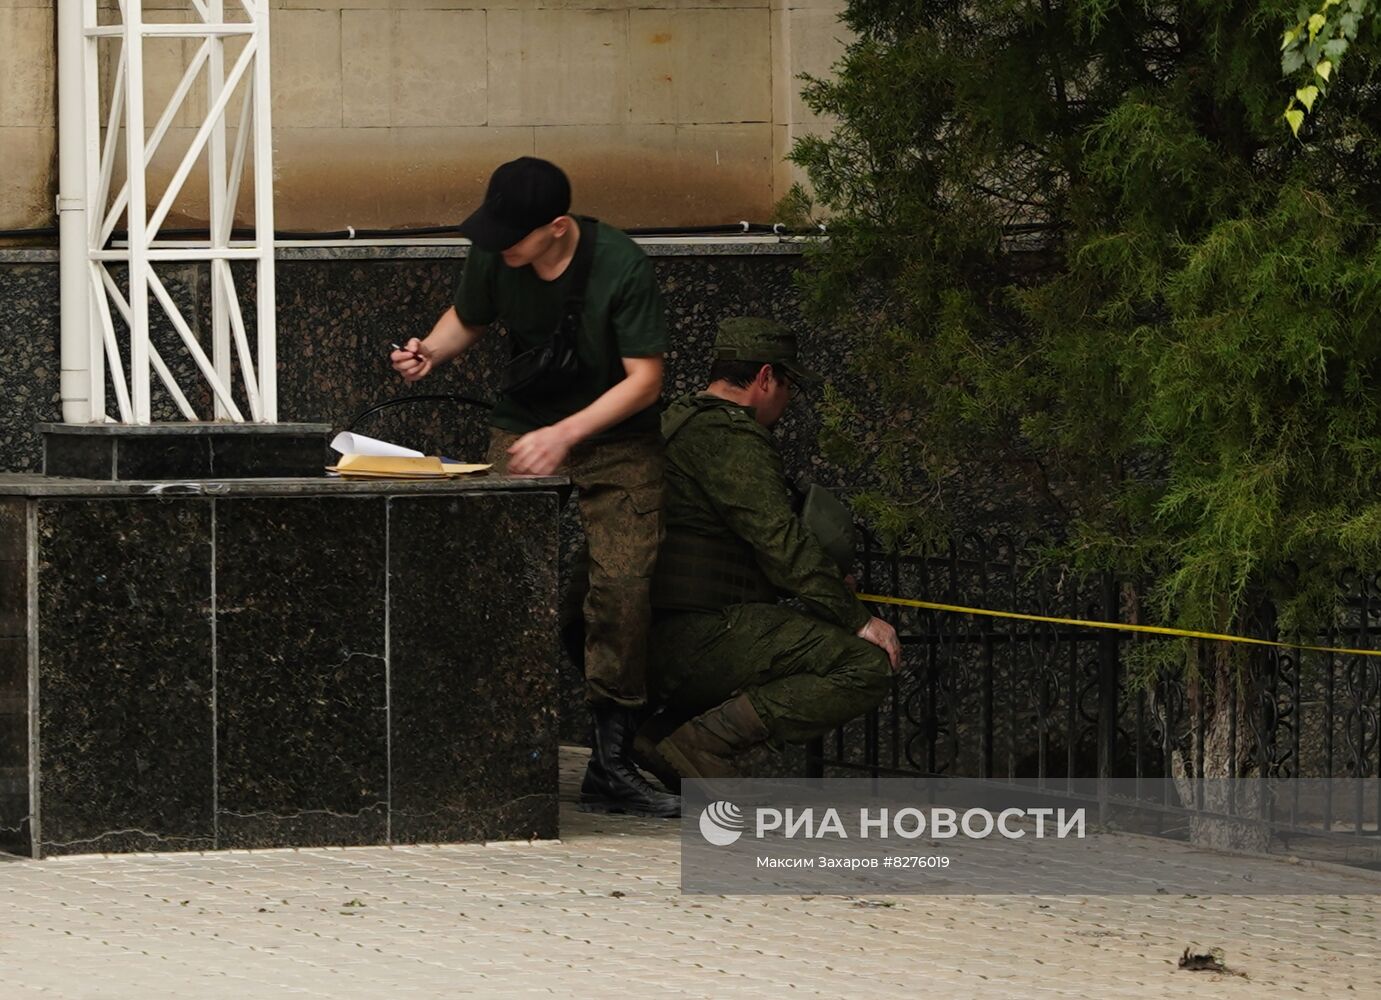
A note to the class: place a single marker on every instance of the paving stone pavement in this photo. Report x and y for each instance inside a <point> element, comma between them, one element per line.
<point>600,912</point>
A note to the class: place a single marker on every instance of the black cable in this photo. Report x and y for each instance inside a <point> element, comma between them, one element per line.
<point>737,229</point>
<point>420,398</point>
<point>24,234</point>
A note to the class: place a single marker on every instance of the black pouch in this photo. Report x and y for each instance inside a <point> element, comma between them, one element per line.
<point>551,366</point>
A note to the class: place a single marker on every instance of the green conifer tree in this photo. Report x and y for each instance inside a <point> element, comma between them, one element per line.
<point>1080,231</point>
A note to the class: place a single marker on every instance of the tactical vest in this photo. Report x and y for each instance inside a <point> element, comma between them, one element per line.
<point>701,572</point>
<point>704,573</point>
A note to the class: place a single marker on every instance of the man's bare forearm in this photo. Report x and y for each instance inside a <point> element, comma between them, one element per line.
<point>542,451</point>
<point>450,336</point>
<point>636,392</point>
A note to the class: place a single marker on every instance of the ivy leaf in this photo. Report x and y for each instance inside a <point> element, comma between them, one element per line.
<point>1334,49</point>
<point>1289,39</point>
<point>1296,118</point>
<point>1316,23</point>
<point>1291,61</point>
<point>1324,70</point>
<point>1307,95</point>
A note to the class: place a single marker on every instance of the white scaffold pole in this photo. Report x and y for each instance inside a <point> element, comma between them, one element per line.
<point>265,292</point>
<point>136,212</point>
<point>99,166</point>
<point>220,230</point>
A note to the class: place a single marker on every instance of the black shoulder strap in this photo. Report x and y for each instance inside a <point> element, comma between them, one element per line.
<point>581,265</point>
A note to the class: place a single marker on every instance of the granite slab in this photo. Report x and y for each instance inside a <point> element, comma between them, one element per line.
<point>125,684</point>
<point>301,685</point>
<point>473,646</point>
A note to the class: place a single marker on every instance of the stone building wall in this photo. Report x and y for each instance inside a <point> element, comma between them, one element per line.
<point>391,113</point>
<point>338,308</point>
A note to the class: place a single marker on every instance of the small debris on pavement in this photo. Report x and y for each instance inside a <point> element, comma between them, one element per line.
<point>1209,961</point>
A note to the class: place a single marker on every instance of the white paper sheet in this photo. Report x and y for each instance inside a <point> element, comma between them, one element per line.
<point>357,444</point>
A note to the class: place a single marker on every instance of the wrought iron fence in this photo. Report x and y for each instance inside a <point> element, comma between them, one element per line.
<point>1010,700</point>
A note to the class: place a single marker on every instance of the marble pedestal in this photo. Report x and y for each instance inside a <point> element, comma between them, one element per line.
<point>272,663</point>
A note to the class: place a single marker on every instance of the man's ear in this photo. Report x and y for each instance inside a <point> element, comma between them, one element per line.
<point>560,226</point>
<point>763,380</point>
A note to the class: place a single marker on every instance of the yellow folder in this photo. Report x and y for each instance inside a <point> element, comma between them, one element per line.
<point>381,467</point>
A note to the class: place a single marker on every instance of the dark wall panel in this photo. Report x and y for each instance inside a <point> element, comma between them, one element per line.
<point>125,684</point>
<point>302,756</point>
<point>473,650</point>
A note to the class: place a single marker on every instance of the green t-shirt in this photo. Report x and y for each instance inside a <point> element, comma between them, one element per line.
<point>623,318</point>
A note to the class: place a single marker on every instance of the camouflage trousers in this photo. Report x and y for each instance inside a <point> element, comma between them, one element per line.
<point>804,676</point>
<point>620,498</point>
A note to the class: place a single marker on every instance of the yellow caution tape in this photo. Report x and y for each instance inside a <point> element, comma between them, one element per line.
<point>1114,626</point>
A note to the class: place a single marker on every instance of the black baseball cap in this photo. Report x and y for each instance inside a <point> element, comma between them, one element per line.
<point>523,195</point>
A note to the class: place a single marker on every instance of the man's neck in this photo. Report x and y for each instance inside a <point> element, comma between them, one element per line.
<point>552,264</point>
<point>727,390</point>
<point>742,395</point>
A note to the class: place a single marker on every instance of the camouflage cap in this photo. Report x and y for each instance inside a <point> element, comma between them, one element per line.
<point>750,338</point>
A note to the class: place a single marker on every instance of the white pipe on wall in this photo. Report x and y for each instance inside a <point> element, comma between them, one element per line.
<point>74,286</point>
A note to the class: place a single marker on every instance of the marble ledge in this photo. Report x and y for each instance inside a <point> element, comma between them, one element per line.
<point>184,428</point>
<point>653,246</point>
<point>34,485</point>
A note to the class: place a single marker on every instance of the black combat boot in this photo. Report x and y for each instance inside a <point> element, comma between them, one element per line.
<point>612,782</point>
<point>712,744</point>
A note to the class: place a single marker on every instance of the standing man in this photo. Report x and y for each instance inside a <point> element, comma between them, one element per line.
<point>741,668</point>
<point>594,420</point>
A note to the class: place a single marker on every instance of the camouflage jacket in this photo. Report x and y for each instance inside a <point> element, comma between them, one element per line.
<point>728,505</point>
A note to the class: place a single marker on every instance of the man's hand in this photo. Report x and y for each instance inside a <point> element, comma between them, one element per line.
<point>414,361</point>
<point>883,636</point>
<point>539,452</point>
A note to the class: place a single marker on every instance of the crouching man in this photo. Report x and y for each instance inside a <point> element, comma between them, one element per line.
<point>724,655</point>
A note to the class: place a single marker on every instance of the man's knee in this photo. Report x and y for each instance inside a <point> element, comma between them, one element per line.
<point>867,667</point>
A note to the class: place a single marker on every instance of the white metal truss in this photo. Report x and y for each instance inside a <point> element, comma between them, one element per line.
<point>221,27</point>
